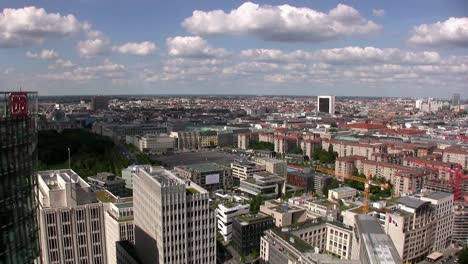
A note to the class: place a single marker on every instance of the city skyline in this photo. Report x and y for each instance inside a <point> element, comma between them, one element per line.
<point>344,48</point>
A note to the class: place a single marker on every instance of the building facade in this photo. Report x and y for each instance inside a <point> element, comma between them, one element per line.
<point>18,168</point>
<point>173,220</point>
<point>210,176</point>
<point>71,220</point>
<point>247,230</point>
<point>225,212</point>
<point>119,227</point>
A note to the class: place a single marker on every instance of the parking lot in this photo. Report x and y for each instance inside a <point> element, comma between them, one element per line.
<point>188,158</point>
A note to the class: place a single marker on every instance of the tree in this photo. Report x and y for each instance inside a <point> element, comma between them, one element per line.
<point>255,203</point>
<point>295,150</point>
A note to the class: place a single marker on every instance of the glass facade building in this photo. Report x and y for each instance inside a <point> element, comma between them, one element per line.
<point>19,241</point>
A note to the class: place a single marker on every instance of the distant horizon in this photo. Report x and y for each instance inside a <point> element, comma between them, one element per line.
<point>400,48</point>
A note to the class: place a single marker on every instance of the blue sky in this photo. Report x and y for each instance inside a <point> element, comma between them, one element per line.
<point>375,48</point>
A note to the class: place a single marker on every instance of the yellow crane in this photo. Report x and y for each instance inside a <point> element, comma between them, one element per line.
<point>367,183</point>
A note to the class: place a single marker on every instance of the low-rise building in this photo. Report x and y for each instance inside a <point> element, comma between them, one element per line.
<point>341,193</point>
<point>283,214</point>
<point>263,183</point>
<point>108,181</point>
<point>210,176</point>
<point>247,230</point>
<point>225,213</point>
<point>153,143</point>
<point>241,170</point>
<point>276,166</point>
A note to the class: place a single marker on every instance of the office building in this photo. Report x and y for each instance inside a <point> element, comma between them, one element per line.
<point>108,181</point>
<point>460,223</point>
<point>280,245</point>
<point>247,230</point>
<point>341,193</point>
<point>99,103</point>
<point>210,176</point>
<point>326,104</point>
<point>152,143</point>
<point>321,181</point>
<point>456,99</point>
<point>410,224</point>
<point>71,219</point>
<point>443,223</point>
<point>126,253</point>
<point>18,167</point>
<point>276,166</point>
<point>372,245</point>
<point>128,173</point>
<point>173,220</point>
<point>263,183</point>
<point>241,170</point>
<point>283,214</point>
<point>119,226</point>
<point>225,213</point>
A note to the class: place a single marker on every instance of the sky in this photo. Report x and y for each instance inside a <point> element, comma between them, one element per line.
<point>416,48</point>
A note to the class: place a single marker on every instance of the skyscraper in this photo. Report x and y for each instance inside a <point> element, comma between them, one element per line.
<point>173,219</point>
<point>456,99</point>
<point>18,166</point>
<point>326,104</point>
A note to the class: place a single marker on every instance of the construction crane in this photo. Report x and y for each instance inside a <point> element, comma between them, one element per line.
<point>367,183</point>
<point>455,173</point>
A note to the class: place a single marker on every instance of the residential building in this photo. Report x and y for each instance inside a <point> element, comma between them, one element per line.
<point>410,224</point>
<point>19,242</point>
<point>247,230</point>
<point>207,139</point>
<point>244,140</point>
<point>341,193</point>
<point>71,220</point>
<point>372,245</point>
<point>108,181</point>
<point>225,213</point>
<point>263,183</point>
<point>173,220</point>
<point>210,176</point>
<point>241,170</point>
<point>456,154</point>
<point>310,146</point>
<point>276,166</point>
<point>326,104</point>
<point>283,214</point>
<point>119,226</point>
<point>443,204</point>
<point>265,137</point>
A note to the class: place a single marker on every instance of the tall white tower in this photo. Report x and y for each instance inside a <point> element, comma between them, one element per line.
<point>326,104</point>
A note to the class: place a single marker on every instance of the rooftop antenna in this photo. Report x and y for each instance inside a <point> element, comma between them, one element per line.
<point>69,159</point>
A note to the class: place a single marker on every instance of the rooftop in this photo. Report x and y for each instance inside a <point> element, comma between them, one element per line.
<point>252,217</point>
<point>439,195</point>
<point>295,241</point>
<point>203,167</point>
<point>343,189</point>
<point>411,202</point>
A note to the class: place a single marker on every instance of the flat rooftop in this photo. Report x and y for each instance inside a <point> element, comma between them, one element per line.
<point>411,202</point>
<point>203,167</point>
<point>343,189</point>
<point>252,217</point>
<point>439,195</point>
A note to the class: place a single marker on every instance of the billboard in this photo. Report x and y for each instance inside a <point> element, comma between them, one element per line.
<point>212,178</point>
<point>18,104</point>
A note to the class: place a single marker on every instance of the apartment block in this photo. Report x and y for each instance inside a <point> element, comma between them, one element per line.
<point>210,176</point>
<point>310,146</point>
<point>71,219</point>
<point>173,219</point>
<point>349,148</point>
<point>456,154</point>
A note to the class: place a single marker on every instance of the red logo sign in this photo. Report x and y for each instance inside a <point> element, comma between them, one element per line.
<point>18,104</point>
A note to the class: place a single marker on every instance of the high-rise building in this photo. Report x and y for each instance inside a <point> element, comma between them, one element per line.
<point>119,226</point>
<point>99,102</point>
<point>456,99</point>
<point>460,223</point>
<point>326,104</point>
<point>18,168</point>
<point>247,230</point>
<point>173,219</point>
<point>443,205</point>
<point>71,219</point>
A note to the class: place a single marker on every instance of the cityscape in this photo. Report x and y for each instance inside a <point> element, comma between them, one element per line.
<point>272,133</point>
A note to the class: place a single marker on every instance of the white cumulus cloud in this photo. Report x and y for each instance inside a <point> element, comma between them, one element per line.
<point>139,49</point>
<point>195,46</point>
<point>96,44</point>
<point>60,64</point>
<point>281,23</point>
<point>32,25</point>
<point>43,55</point>
<point>378,12</point>
<point>451,32</point>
